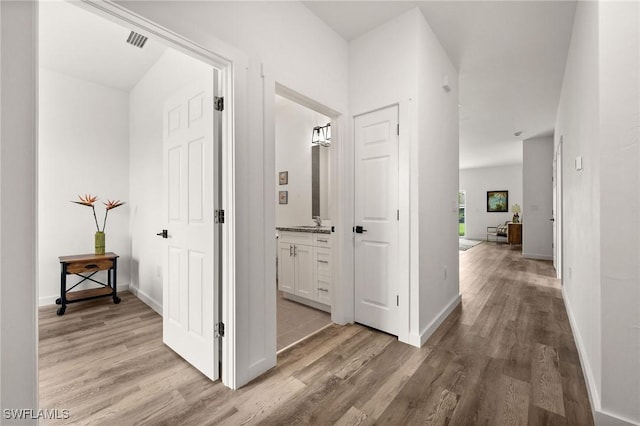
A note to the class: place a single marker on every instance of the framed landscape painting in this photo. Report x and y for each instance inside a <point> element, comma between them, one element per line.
<point>498,201</point>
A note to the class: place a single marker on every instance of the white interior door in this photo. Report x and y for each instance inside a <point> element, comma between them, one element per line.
<point>376,213</point>
<point>191,252</point>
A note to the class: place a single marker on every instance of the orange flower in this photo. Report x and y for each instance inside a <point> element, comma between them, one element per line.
<point>113,204</point>
<point>88,200</point>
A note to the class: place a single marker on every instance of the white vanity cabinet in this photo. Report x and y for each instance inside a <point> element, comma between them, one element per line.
<point>304,268</point>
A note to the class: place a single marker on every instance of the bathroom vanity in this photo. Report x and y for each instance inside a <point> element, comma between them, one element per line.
<point>304,265</point>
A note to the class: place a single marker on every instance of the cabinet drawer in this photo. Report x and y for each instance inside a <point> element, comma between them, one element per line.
<point>89,266</point>
<point>324,291</point>
<point>304,238</point>
<point>324,262</point>
<point>322,240</point>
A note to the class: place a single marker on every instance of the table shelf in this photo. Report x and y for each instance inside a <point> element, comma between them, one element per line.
<point>86,266</point>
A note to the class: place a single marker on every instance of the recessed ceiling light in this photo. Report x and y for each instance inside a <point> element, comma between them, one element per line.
<point>518,133</point>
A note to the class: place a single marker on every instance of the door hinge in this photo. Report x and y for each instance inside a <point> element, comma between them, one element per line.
<point>218,103</point>
<point>397,300</point>
<point>397,214</point>
<point>218,330</point>
<point>398,129</point>
<point>219,216</point>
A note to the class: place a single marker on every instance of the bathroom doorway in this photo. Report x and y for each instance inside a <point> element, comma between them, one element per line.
<point>303,234</point>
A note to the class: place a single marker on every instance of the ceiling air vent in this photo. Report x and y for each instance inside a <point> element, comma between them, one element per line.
<point>137,40</point>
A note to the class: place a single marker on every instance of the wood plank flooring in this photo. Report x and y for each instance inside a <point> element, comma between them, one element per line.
<point>505,357</point>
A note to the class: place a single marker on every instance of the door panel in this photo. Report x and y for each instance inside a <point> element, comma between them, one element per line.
<point>286,267</point>
<point>376,203</point>
<point>191,276</point>
<point>305,271</point>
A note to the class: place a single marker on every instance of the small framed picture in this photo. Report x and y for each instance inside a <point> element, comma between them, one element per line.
<point>283,178</point>
<point>497,201</point>
<point>283,197</point>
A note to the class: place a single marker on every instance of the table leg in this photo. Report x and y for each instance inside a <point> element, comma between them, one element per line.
<point>116,299</point>
<point>63,290</point>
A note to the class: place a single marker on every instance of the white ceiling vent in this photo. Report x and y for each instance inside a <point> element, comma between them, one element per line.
<point>136,39</point>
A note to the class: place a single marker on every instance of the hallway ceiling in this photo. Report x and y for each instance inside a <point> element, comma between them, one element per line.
<point>510,57</point>
<point>81,44</point>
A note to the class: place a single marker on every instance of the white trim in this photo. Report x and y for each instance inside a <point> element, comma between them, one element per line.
<point>426,332</point>
<point>537,256</point>
<point>146,299</point>
<point>600,416</point>
<point>304,338</point>
<point>304,301</point>
<point>228,68</point>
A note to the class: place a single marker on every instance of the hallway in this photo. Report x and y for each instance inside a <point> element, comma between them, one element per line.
<point>506,356</point>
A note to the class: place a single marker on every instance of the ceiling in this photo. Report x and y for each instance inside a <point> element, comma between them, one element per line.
<point>81,44</point>
<point>510,57</point>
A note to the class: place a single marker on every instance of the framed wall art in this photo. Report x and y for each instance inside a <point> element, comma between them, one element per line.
<point>283,178</point>
<point>283,197</point>
<point>498,201</point>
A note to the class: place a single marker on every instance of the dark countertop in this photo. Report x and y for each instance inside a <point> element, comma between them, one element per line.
<point>305,228</point>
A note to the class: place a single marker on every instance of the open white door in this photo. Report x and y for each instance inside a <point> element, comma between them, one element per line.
<point>191,253</point>
<point>376,219</point>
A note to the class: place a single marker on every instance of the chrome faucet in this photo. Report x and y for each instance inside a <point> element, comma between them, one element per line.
<point>317,220</point>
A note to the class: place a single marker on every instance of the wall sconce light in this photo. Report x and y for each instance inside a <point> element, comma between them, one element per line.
<point>321,135</point>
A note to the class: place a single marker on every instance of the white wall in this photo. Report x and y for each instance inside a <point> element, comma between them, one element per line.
<point>598,119</point>
<point>438,156</point>
<point>276,37</point>
<point>410,75</point>
<point>619,48</point>
<point>537,198</point>
<point>83,147</point>
<point>171,72</point>
<point>293,154</point>
<point>18,321</point>
<point>476,183</point>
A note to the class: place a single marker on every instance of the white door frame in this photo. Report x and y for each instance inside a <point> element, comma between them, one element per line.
<point>558,209</point>
<point>273,88</point>
<point>121,15</point>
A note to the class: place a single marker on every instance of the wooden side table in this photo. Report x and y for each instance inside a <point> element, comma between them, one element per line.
<point>86,266</point>
<point>514,234</point>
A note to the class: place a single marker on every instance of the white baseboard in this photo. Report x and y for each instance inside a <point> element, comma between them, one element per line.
<point>308,302</point>
<point>146,299</point>
<point>600,416</point>
<point>537,256</point>
<point>425,333</point>
<point>51,300</point>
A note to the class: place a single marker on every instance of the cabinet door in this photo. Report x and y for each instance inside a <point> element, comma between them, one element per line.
<point>305,271</point>
<point>286,268</point>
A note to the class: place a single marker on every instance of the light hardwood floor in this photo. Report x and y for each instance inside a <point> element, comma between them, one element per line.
<point>505,357</point>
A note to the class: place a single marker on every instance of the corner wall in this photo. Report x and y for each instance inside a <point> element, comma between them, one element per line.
<point>438,177</point>
<point>83,147</point>
<point>537,198</point>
